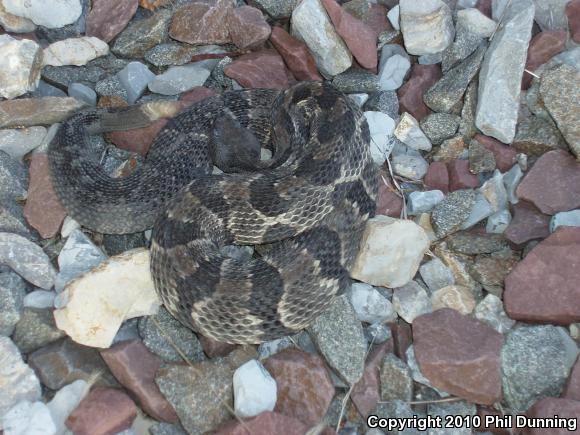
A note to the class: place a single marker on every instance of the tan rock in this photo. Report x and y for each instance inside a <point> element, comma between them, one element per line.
<point>75,51</point>
<point>27,112</point>
<point>20,65</point>
<point>456,297</point>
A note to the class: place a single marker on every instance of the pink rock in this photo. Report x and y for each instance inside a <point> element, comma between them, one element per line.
<point>105,411</point>
<point>543,287</point>
<point>572,390</point>
<point>43,210</point>
<point>389,203</point>
<point>196,94</point>
<point>411,93</point>
<point>505,156</point>
<point>528,224</point>
<point>202,23</point>
<point>460,177</point>
<point>248,28</point>
<point>213,348</point>
<point>573,13</point>
<point>305,389</point>
<point>263,69</point>
<point>295,54</point>
<point>553,183</point>
<point>437,177</point>
<point>266,423</point>
<point>484,7</point>
<point>138,140</point>
<point>376,18</point>
<point>359,38</point>
<point>543,47</point>
<point>459,354</point>
<point>108,18</point>
<point>549,408</point>
<point>135,366</point>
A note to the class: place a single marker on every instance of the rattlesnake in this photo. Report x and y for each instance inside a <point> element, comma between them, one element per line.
<point>305,208</point>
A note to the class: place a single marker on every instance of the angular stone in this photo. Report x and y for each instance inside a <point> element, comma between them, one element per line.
<point>278,8</point>
<point>459,355</point>
<point>536,136</point>
<point>393,72</point>
<point>480,158</point>
<point>35,329</point>
<point>295,54</point>
<point>381,128</point>
<point>421,202</point>
<point>466,42</point>
<point>409,132</point>
<point>383,101</point>
<point>505,157</point>
<point>178,79</point>
<point>20,65</point>
<point>18,143</point>
<point>13,23</point>
<point>83,93</point>
<point>109,17</point>
<point>412,165</point>
<point>254,390</point>
<point>456,297</point>
<point>553,183</point>
<point>411,301</point>
<point>490,310</point>
<point>262,69</point>
<point>247,27</point>
<point>370,305</point>
<point>470,243</point>
<point>436,275</point>
<point>451,213</point>
<point>551,14</point>
<point>264,424</point>
<point>74,51</point>
<point>572,390</point>
<point>490,271</point>
<point>543,47</point>
<point>427,26</point>
<point>460,177</point>
<point>565,219</point>
<point>48,13</point>
<point>311,24</point>
<point>140,36</point>
<point>467,127</point>
<point>135,77</point>
<point>202,23</point>
<point>396,380</point>
<point>451,149</point>
<point>573,14</point>
<point>411,93</point>
<point>498,222</point>
<point>554,409</point>
<point>501,73</point>
<point>30,418</point>
<point>437,177</point>
<point>527,224</point>
<point>440,126</point>
<point>388,202</point>
<point>27,112</point>
<point>476,21</point>
<point>12,293</point>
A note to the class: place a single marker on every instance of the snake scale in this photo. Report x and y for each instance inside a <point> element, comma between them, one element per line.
<point>305,208</point>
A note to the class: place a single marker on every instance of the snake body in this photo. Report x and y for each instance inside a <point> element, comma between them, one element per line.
<point>305,208</point>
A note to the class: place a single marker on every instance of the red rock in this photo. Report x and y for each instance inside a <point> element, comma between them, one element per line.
<point>305,389</point>
<point>135,366</point>
<point>553,183</point>
<point>544,46</point>
<point>389,203</point>
<point>484,7</point>
<point>459,354</point>
<point>138,140</point>
<point>460,177</point>
<point>295,54</point>
<point>263,69</point>
<point>43,210</point>
<point>437,177</point>
<point>505,156</point>
<point>376,18</point>
<point>543,287</point>
<point>266,423</point>
<point>411,93</point>
<point>572,389</point>
<point>198,93</point>
<point>359,38</point>
<point>528,224</point>
<point>402,339</point>
<point>573,13</point>
<point>213,348</point>
<point>550,407</point>
<point>202,23</point>
<point>108,18</point>
<point>105,411</point>
<point>248,28</point>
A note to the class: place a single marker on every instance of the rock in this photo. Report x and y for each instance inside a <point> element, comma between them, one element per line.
<point>456,297</point>
<point>452,212</point>
<point>278,8</point>
<point>459,355</point>
<point>26,112</point>
<point>437,177</point>
<point>12,293</point>
<point>269,348</point>
<point>467,124</point>
<point>491,271</point>
<point>446,94</point>
<point>103,411</point>
<point>470,243</point>
<point>551,14</point>
<point>198,393</point>
<point>573,14</point>
<point>74,51</point>
<point>20,65</point>
<point>572,390</point>
<point>138,140</point>
<point>421,202</point>
<point>135,77</point>
<point>393,72</point>
<point>535,136</point>
<point>505,156</point>
<point>490,310</point>
<point>440,126</point>
<point>452,410</point>
<point>370,305</point>
<point>498,222</point>
<point>254,390</point>
<point>108,18</point>
<point>409,132</point>
<point>359,38</point>
<point>135,367</point>
<point>436,275</point>
<point>527,224</point>
<point>554,409</point>
<point>460,177</point>
<point>511,181</point>
<point>391,251</point>
<point>13,23</point>
<point>52,13</point>
<point>17,143</point>
<point>35,329</point>
<point>65,401</point>
<point>262,69</point>
<point>99,289</point>
<point>166,428</point>
<point>501,73</point>
<point>389,203</point>
<point>247,27</point>
<point>553,183</point>
<point>202,23</point>
<point>451,149</point>
<point>264,424</point>
<point>535,363</point>
<point>560,95</point>
<point>83,93</point>
<point>396,380</point>
<point>543,47</point>
<point>411,93</point>
<point>178,79</point>
<point>140,36</point>
<point>477,22</point>
<point>175,53</point>
<point>378,333</point>
<point>295,54</point>
<point>565,218</point>
<point>427,27</point>
<point>39,299</point>
<point>28,418</point>
<point>480,158</point>
<point>466,42</point>
<point>381,127</point>
<point>311,24</point>
<point>411,301</point>
<point>383,101</point>
<point>411,166</point>
<point>305,389</point>
<point>393,16</point>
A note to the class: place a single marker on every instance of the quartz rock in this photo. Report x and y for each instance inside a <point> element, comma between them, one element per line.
<point>477,22</point>
<point>370,305</point>
<point>65,401</point>
<point>381,127</point>
<point>20,65</point>
<point>410,301</point>
<point>393,16</point>
<point>13,23</point>
<point>75,51</point>
<point>490,310</point>
<point>48,13</point>
<point>28,418</point>
<point>409,132</point>
<point>18,143</point>
<point>427,26</point>
<point>456,297</point>
<point>412,166</point>
<point>254,390</point>
<point>436,275</point>
<point>565,219</point>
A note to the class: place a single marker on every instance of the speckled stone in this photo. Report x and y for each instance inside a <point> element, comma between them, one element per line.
<point>143,35</point>
<point>449,214</point>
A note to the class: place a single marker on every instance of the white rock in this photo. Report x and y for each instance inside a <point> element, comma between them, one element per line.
<point>255,390</point>
<point>421,202</point>
<point>410,301</point>
<point>393,16</point>
<point>511,180</point>
<point>413,167</point>
<point>17,380</point>
<point>20,65</point>
<point>490,310</point>
<point>381,127</point>
<point>48,13</point>
<point>65,401</point>
<point>476,22</point>
<point>178,79</point>
<point>390,252</point>
<point>98,302</point>
<point>498,222</point>
<point>565,219</point>
<point>311,24</point>
<point>18,143</point>
<point>436,275</point>
<point>393,72</point>
<point>494,191</point>
<point>68,226</point>
<point>13,23</point>
<point>370,305</point>
<point>27,418</point>
<point>409,132</point>
<point>456,297</point>
<point>39,299</point>
<point>75,51</point>
<point>481,210</point>
<point>427,26</point>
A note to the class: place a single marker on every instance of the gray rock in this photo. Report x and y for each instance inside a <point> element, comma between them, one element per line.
<point>355,80</point>
<point>480,158</point>
<point>399,410</point>
<point>12,292</point>
<point>498,222</point>
<point>422,202</point>
<point>416,371</point>
<point>111,86</point>
<point>278,8</point>
<point>467,127</point>
<point>535,363</point>
<point>511,180</point>
<point>551,14</point>
<point>370,306</point>
<point>474,20</point>
<point>83,93</point>
<point>564,218</point>
<point>135,77</point>
<point>436,275</point>
<point>409,166</point>
<point>501,73</point>
<point>174,53</point>
<point>18,143</point>
<point>490,310</point>
<point>36,329</point>
<point>410,301</point>
<point>393,71</point>
<point>495,192</point>
<point>452,212</point>
<point>179,79</point>
<point>396,379</point>
<point>427,26</point>
<point>39,299</point>
<point>13,178</point>
<point>466,42</point>
<point>64,76</point>
<point>378,333</point>
<point>269,348</point>
<point>536,136</point>
<point>440,126</point>
<point>45,90</point>
<point>384,101</point>
<point>72,30</point>
<point>141,36</point>
<point>166,429</point>
<point>452,409</point>
<point>129,330</point>
<point>480,210</point>
<point>431,59</point>
<point>359,99</point>
<point>12,220</point>
<point>20,64</point>
<point>182,337</point>
<point>338,334</point>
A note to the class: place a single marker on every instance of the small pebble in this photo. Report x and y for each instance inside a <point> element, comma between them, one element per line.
<point>254,390</point>
<point>83,93</point>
